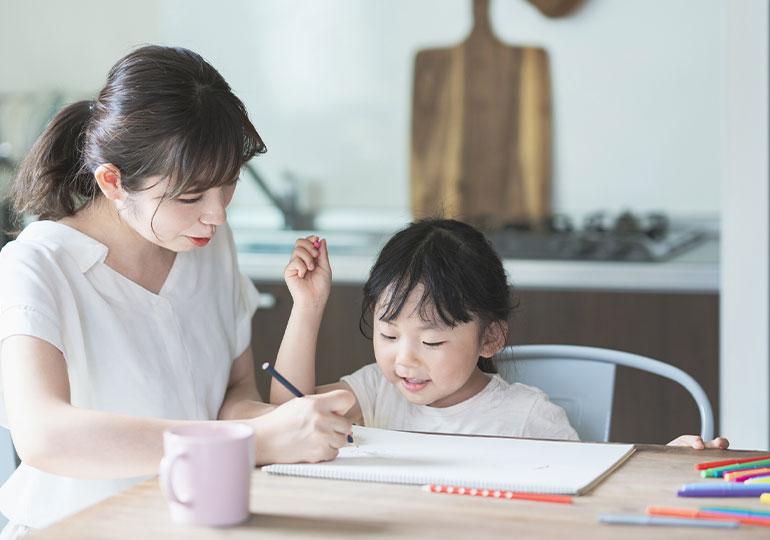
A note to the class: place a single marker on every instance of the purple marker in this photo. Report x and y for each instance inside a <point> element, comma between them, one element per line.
<point>722,489</point>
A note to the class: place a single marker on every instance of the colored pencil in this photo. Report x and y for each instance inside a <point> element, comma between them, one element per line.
<point>498,494</point>
<point>722,463</point>
<point>765,498</point>
<point>694,513</point>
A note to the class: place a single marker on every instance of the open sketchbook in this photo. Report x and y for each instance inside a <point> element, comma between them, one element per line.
<point>528,465</point>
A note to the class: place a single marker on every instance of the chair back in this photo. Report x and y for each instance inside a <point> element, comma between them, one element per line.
<point>583,388</point>
<point>8,462</point>
<point>582,380</point>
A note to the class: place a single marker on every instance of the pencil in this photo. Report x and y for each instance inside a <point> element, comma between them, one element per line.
<point>290,387</point>
<point>497,494</point>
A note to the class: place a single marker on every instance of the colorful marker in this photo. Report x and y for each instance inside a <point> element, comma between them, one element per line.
<point>745,474</point>
<point>714,464</point>
<point>744,511</point>
<point>765,498</point>
<point>717,472</point>
<point>722,489</point>
<point>497,494</point>
<point>693,513</point>
<point>762,479</point>
<point>621,519</point>
<point>290,387</point>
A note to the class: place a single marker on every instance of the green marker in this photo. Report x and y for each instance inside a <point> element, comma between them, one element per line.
<point>718,472</point>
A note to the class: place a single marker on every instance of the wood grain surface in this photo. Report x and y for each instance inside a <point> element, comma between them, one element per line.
<point>481,130</point>
<point>307,508</point>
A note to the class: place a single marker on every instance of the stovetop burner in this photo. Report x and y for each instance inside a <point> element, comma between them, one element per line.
<point>626,238</point>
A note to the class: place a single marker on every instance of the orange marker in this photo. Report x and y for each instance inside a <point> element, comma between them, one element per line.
<point>693,513</point>
<point>743,474</point>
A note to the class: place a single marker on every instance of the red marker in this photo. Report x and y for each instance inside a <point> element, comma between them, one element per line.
<point>498,494</point>
<point>317,243</point>
<point>713,464</point>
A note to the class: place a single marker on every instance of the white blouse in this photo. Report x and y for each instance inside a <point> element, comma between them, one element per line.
<point>127,350</point>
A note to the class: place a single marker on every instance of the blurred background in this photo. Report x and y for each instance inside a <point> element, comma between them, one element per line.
<point>656,157</point>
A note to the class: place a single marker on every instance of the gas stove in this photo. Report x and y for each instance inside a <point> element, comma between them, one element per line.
<point>627,237</point>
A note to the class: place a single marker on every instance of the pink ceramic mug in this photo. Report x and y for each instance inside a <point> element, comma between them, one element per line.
<point>205,472</point>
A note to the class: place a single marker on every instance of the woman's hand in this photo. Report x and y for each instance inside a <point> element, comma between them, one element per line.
<point>308,274</point>
<point>312,428</point>
<point>694,441</point>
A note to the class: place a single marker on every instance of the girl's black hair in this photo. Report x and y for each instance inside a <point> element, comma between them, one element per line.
<point>163,111</point>
<point>462,276</point>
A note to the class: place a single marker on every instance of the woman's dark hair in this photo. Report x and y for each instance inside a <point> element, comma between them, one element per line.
<point>462,276</point>
<point>163,111</point>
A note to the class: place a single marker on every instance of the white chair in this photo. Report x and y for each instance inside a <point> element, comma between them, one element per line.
<point>582,381</point>
<point>8,462</point>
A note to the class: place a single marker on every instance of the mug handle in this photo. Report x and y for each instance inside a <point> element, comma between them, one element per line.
<point>167,464</point>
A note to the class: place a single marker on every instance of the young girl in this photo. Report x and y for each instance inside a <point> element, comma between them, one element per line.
<point>122,310</point>
<point>439,301</point>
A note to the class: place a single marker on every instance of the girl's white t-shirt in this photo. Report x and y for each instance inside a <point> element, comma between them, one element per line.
<point>501,408</point>
<point>127,350</point>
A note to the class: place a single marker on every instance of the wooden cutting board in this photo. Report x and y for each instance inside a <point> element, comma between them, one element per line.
<point>481,130</point>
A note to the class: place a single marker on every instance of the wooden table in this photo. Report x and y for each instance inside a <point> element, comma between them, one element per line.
<point>288,507</point>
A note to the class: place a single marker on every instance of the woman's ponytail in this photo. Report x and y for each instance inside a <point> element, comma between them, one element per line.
<point>52,181</point>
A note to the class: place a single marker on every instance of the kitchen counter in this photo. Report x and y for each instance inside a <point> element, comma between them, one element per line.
<point>352,254</point>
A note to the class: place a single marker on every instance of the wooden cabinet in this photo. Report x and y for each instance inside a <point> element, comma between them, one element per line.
<point>341,347</point>
<point>680,329</point>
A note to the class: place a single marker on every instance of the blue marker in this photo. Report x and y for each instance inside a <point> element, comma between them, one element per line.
<point>667,521</point>
<point>290,387</point>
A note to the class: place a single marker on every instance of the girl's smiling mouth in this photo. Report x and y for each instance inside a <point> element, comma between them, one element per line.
<point>414,385</point>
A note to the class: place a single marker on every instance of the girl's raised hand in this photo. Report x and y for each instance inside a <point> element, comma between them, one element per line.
<point>308,274</point>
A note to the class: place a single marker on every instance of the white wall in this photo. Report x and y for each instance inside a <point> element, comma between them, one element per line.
<point>69,46</point>
<point>745,271</point>
<point>638,88</point>
<point>637,84</point>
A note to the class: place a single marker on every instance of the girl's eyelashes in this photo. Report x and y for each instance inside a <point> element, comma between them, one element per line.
<point>433,344</point>
<point>387,337</point>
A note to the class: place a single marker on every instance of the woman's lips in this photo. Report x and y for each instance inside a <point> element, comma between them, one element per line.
<point>199,241</point>
<point>414,385</point>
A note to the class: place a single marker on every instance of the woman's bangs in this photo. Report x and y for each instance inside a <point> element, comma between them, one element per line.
<point>212,154</point>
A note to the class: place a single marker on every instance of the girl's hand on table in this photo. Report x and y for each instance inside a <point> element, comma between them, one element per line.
<point>695,441</point>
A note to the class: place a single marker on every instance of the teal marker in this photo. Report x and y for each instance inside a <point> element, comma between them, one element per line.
<point>735,511</point>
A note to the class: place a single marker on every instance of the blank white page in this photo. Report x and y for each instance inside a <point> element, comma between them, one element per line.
<point>528,465</point>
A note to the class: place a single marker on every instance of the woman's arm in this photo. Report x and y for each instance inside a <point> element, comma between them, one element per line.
<point>54,436</point>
